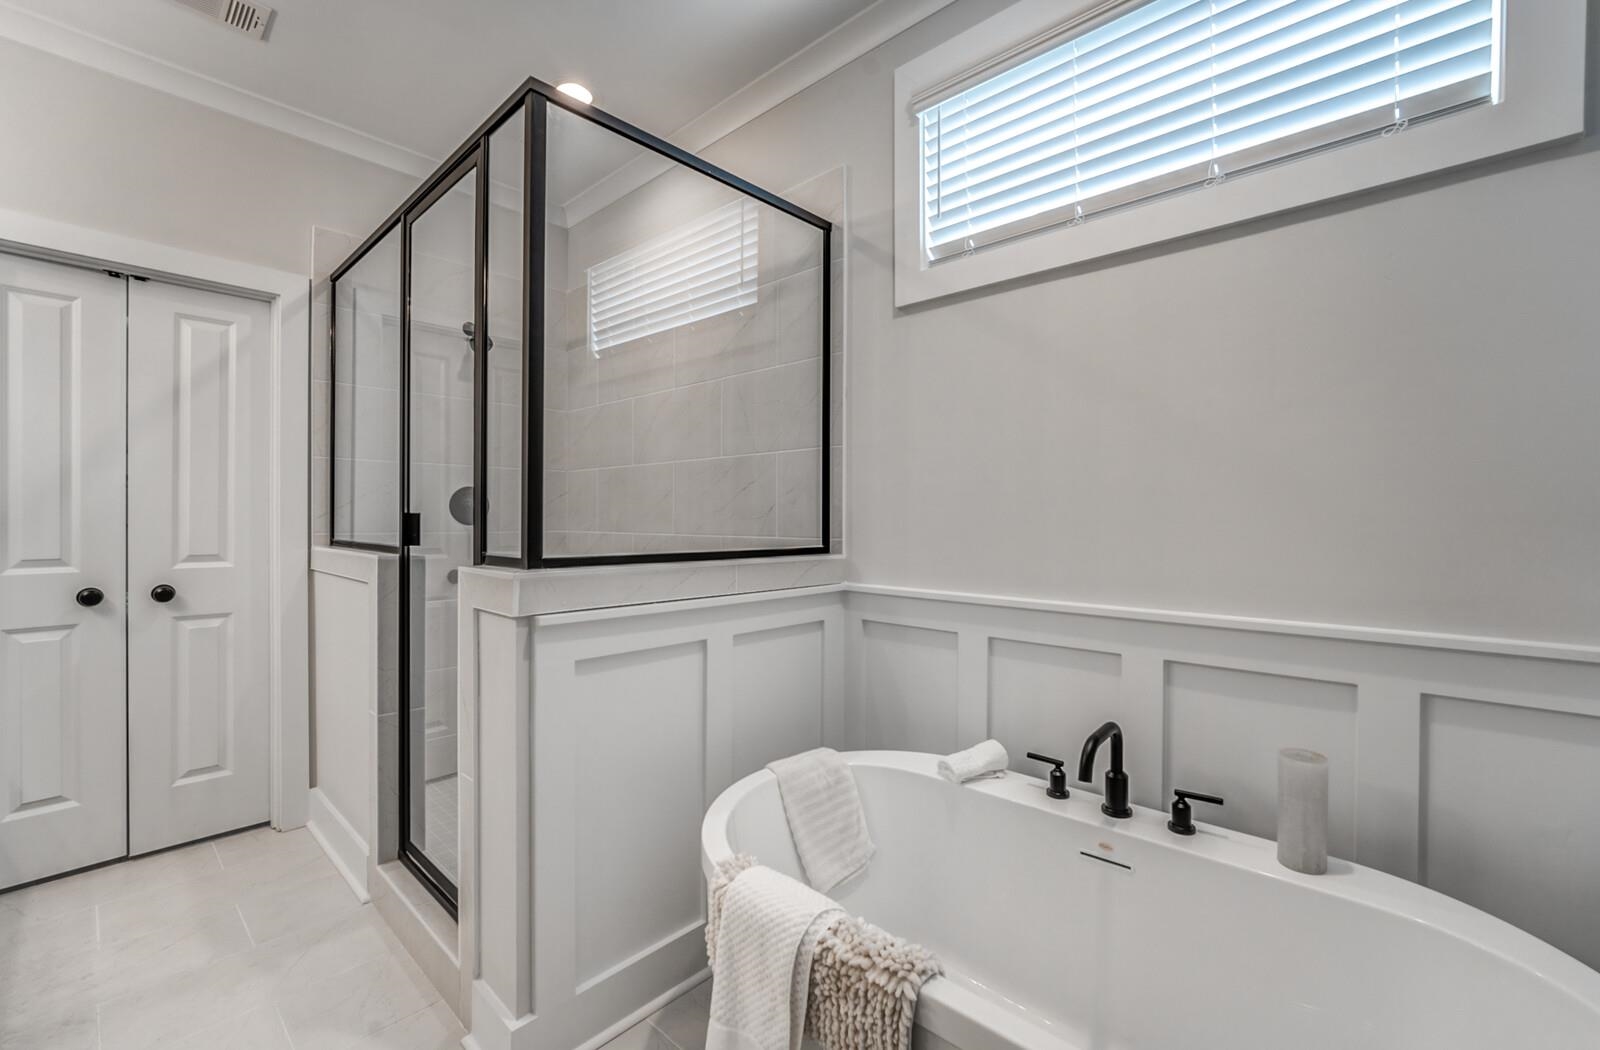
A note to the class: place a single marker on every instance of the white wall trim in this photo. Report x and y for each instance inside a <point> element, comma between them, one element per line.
<point>1543,103</point>
<point>340,842</point>
<point>75,45</point>
<point>1227,621</point>
<point>827,54</point>
<point>868,29</point>
<point>289,296</point>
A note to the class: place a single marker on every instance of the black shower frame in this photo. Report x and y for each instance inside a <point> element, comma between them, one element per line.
<point>534,97</point>
<point>532,100</point>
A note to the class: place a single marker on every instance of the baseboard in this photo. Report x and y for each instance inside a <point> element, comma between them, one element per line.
<point>340,842</point>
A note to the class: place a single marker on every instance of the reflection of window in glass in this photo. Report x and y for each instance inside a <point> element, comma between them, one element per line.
<point>706,268</point>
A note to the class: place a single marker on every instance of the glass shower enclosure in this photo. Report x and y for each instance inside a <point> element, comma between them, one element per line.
<point>575,344</point>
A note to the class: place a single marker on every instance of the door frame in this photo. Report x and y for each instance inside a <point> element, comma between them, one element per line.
<point>289,549</point>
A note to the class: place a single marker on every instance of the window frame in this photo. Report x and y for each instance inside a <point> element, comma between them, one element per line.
<point>1542,101</point>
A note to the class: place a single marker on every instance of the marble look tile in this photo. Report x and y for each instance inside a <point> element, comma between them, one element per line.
<point>356,1004</point>
<point>781,574</point>
<point>290,970</point>
<point>731,496</point>
<point>266,845</point>
<point>52,899</point>
<point>583,378</point>
<point>601,436</point>
<point>555,440</point>
<point>663,543</point>
<point>799,331</point>
<point>555,374</point>
<point>576,544</point>
<point>134,916</point>
<point>788,245</point>
<point>836,493</point>
<point>635,499</point>
<point>433,1028</point>
<point>280,911</point>
<point>771,410</point>
<point>836,399</point>
<point>678,424</point>
<point>639,367</point>
<point>642,1036</point>
<point>737,341</point>
<point>259,1029</point>
<point>683,1021</point>
<point>67,1027</point>
<point>800,493</point>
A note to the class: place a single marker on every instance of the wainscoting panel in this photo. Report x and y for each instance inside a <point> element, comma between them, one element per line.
<point>1471,765</point>
<point>637,718</point>
<point>1508,815</point>
<point>908,695</point>
<point>1224,730</point>
<point>1041,695</point>
<point>778,689</point>
<point>641,777</point>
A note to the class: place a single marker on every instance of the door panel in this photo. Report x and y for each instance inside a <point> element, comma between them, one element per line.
<point>62,704</point>
<point>197,481</point>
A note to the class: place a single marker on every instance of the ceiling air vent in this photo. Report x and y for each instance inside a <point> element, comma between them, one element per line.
<point>250,19</point>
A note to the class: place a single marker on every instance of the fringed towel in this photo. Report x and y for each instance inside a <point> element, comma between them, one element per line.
<point>864,987</point>
<point>825,817</point>
<point>859,984</point>
<point>761,938</point>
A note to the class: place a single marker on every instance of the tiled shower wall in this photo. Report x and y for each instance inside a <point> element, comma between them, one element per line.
<point>704,437</point>
<point>677,389</point>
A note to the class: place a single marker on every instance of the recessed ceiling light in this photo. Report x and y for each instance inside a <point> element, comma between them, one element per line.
<point>577,91</point>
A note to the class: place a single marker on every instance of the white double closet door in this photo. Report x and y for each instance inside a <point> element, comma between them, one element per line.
<point>133,566</point>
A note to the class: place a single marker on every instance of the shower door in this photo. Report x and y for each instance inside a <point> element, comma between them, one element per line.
<point>442,353</point>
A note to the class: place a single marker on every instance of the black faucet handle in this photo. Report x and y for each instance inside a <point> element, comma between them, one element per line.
<point>1058,775</point>
<point>1182,822</point>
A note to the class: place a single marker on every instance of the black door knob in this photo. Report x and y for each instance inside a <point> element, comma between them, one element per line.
<point>89,597</point>
<point>163,592</point>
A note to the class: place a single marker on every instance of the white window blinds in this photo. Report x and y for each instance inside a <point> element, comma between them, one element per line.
<point>700,270</point>
<point>1168,94</point>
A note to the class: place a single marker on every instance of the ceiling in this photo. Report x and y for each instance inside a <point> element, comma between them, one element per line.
<point>421,74</point>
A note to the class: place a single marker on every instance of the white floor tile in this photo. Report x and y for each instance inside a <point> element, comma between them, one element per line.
<point>226,946</point>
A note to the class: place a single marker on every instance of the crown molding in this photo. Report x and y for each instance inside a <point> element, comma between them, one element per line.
<point>75,45</point>
<point>846,42</point>
<point>841,45</point>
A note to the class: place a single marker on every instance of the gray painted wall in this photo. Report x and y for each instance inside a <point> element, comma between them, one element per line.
<point>87,148</point>
<point>1382,412</point>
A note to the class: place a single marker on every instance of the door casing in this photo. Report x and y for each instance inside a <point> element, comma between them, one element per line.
<point>290,300</point>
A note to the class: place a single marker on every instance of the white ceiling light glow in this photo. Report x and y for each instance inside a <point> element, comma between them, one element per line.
<point>577,91</point>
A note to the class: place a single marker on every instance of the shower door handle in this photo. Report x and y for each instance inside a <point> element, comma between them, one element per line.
<point>411,529</point>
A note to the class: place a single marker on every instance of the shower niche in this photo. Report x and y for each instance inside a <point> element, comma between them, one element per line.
<point>573,345</point>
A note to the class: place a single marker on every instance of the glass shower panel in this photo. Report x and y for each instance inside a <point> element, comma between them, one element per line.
<point>440,450</point>
<point>366,398</point>
<point>503,441</point>
<point>685,409</point>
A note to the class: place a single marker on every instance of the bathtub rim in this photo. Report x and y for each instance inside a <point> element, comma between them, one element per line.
<point>952,1008</point>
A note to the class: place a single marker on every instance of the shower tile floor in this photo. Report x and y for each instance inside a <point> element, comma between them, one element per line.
<point>249,942</point>
<point>442,824</point>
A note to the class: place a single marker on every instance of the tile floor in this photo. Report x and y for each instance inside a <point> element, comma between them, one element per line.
<point>249,942</point>
<point>440,822</point>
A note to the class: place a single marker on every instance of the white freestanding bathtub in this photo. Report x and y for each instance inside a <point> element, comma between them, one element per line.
<point>1061,928</point>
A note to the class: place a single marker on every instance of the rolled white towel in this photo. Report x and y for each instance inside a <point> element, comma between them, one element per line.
<point>988,759</point>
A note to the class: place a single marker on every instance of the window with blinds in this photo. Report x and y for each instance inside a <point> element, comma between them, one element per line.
<point>1165,95</point>
<point>700,270</point>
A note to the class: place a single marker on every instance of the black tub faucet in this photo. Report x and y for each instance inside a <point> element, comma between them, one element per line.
<point>1116,803</point>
